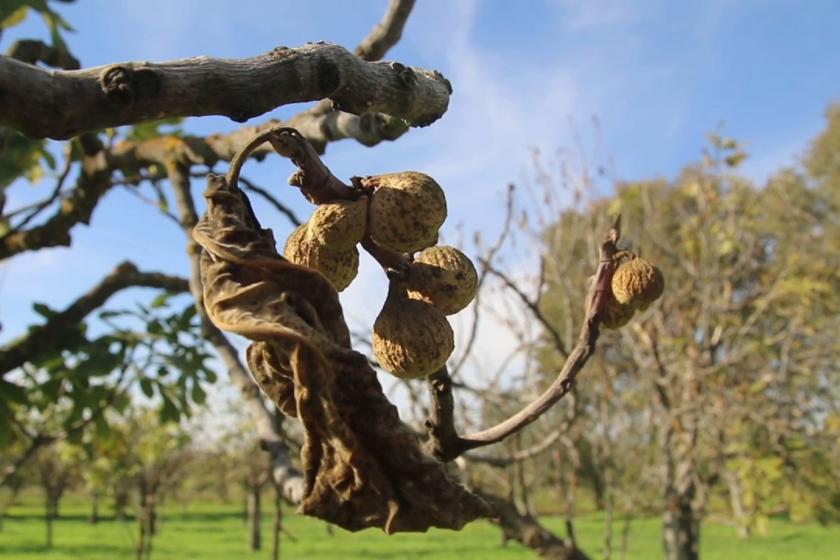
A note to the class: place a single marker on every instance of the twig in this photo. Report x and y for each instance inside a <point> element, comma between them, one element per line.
<point>39,206</point>
<point>532,305</point>
<point>387,32</point>
<point>491,254</point>
<point>444,441</point>
<point>279,206</point>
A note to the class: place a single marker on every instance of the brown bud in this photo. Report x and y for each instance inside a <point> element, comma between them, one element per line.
<point>339,225</point>
<point>411,338</point>
<point>637,283</point>
<point>406,210</point>
<point>444,277</point>
<point>339,267</point>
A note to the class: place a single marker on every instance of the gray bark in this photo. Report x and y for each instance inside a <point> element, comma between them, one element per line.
<point>63,104</point>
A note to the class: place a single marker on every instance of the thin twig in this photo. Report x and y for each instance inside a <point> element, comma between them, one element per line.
<point>268,197</point>
<point>38,207</point>
<point>446,444</point>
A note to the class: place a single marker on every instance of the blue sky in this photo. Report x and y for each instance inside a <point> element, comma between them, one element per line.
<point>658,75</point>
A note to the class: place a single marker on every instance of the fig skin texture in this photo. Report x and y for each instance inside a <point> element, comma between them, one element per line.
<point>339,225</point>
<point>339,267</point>
<point>406,210</point>
<point>637,283</point>
<point>411,338</point>
<point>615,314</point>
<point>444,277</point>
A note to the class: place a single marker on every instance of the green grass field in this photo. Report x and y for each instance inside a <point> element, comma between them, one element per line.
<point>217,532</point>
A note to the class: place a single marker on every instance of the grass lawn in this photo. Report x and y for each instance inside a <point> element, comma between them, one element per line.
<point>217,532</point>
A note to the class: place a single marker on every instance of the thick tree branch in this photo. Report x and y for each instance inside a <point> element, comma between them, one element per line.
<point>440,420</point>
<point>322,124</point>
<point>319,125</point>
<point>526,529</point>
<point>49,336</point>
<point>71,102</point>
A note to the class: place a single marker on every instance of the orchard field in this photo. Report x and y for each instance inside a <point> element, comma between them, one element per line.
<point>217,531</point>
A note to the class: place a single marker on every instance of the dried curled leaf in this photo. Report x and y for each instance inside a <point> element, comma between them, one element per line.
<point>362,466</point>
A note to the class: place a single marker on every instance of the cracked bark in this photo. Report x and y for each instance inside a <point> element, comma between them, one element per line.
<point>320,125</point>
<point>71,102</point>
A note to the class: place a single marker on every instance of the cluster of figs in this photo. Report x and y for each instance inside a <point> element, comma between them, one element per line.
<point>401,212</point>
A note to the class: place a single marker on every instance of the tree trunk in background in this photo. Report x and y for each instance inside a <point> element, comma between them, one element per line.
<point>146,518</point>
<point>739,510</point>
<point>254,515</point>
<point>48,517</point>
<point>278,522</point>
<point>680,526</point>
<point>625,535</point>
<point>94,508</point>
<point>120,503</point>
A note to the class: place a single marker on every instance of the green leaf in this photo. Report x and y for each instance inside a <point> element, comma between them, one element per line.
<point>154,327</point>
<point>43,310</point>
<point>11,392</point>
<point>161,300</point>
<point>13,18</point>
<point>169,412</point>
<point>152,129</point>
<point>147,387</point>
<point>198,395</point>
<point>5,428</point>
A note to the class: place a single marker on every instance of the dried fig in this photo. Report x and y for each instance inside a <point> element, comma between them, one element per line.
<point>444,277</point>
<point>637,283</point>
<point>616,314</point>
<point>339,267</point>
<point>411,338</point>
<point>339,225</point>
<point>406,210</point>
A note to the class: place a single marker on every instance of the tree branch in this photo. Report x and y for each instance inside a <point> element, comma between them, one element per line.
<point>49,336</point>
<point>132,92</point>
<point>92,183</point>
<point>526,529</point>
<point>387,32</point>
<point>33,51</point>
<point>271,199</point>
<point>532,305</point>
<point>440,421</point>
